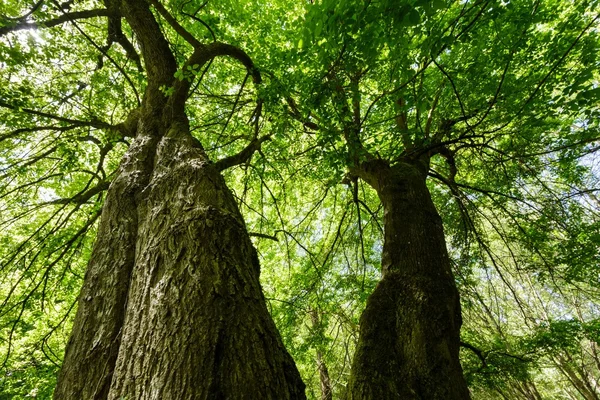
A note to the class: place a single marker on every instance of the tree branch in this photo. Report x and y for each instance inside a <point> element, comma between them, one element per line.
<point>263,235</point>
<point>82,197</point>
<point>95,123</point>
<point>175,25</point>
<point>66,17</point>
<point>243,156</point>
<point>206,53</point>
<point>477,352</point>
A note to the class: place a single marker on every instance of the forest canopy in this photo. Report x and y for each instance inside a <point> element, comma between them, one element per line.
<point>431,166</point>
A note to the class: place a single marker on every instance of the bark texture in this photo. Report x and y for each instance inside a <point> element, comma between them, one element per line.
<point>94,343</point>
<point>409,335</point>
<point>172,305</point>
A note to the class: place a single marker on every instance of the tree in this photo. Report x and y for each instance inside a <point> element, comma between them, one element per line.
<point>171,304</point>
<point>444,145</point>
<point>403,92</point>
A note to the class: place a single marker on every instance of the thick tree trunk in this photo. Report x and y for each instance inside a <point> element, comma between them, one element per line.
<point>409,332</point>
<point>88,365</point>
<point>172,306</point>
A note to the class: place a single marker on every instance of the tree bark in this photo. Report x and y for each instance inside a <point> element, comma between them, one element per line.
<point>172,305</point>
<point>410,330</point>
<point>88,365</point>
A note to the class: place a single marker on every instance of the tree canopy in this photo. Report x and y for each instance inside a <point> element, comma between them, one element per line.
<point>500,97</point>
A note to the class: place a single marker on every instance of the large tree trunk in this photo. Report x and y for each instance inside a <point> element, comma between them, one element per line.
<point>409,331</point>
<point>172,306</point>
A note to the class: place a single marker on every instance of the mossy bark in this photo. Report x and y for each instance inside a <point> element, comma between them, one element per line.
<point>409,331</point>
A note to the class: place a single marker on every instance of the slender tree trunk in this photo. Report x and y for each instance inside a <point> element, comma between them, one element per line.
<point>409,331</point>
<point>324,379</point>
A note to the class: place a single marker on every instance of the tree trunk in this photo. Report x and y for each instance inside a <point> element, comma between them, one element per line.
<point>324,379</point>
<point>410,329</point>
<point>172,306</point>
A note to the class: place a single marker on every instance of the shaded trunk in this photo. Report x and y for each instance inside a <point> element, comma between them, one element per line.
<point>409,331</point>
<point>172,306</point>
<point>324,379</point>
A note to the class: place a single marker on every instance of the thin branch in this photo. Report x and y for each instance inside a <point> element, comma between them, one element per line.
<point>176,25</point>
<point>119,68</point>
<point>66,17</point>
<point>550,72</point>
<point>28,13</point>
<point>262,235</point>
<point>193,16</point>
<point>95,123</point>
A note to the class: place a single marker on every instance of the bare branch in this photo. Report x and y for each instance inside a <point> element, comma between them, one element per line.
<point>66,17</point>
<point>262,235</point>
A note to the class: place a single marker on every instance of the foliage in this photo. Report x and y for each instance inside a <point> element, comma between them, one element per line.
<point>503,94</point>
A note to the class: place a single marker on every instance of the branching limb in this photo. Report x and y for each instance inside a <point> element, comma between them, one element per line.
<point>478,352</point>
<point>115,34</point>
<point>243,156</point>
<point>175,25</point>
<point>104,53</point>
<point>449,156</point>
<point>195,18</point>
<point>204,54</point>
<point>297,115</point>
<point>83,197</point>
